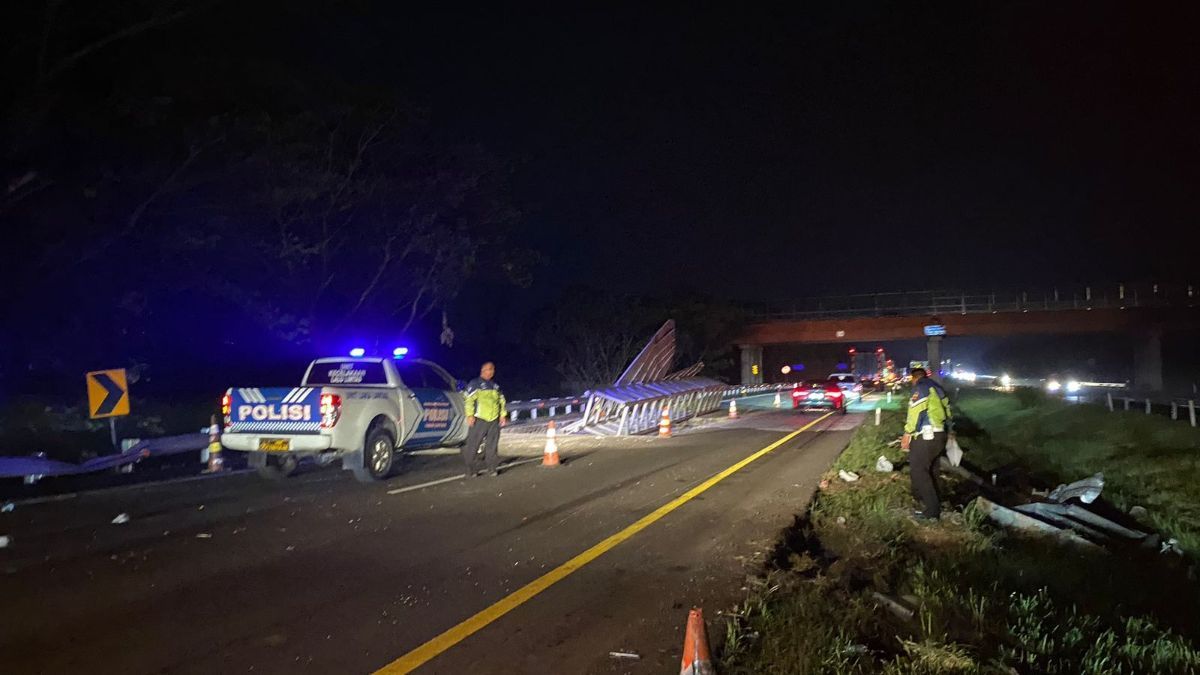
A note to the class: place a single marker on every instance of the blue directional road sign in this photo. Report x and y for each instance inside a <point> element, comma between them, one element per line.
<point>108,393</point>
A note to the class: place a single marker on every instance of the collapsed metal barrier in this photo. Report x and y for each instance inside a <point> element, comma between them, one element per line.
<point>629,409</point>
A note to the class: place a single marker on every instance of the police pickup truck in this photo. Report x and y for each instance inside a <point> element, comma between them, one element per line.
<point>362,410</point>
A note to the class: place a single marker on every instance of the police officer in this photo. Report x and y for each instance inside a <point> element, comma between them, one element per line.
<point>925,433</point>
<point>486,413</point>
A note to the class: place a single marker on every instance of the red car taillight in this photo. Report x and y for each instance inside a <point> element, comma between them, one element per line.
<point>227,409</point>
<point>331,410</point>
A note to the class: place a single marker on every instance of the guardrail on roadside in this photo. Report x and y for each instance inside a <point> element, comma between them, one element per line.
<point>752,389</point>
<point>1178,406</point>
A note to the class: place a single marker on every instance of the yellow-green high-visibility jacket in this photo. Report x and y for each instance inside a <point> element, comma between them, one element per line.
<point>485,400</point>
<point>929,405</point>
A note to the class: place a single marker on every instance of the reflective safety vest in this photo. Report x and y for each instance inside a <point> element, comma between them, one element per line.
<point>929,406</point>
<point>485,400</point>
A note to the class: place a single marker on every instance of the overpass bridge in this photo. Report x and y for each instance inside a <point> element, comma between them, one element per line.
<point>1145,311</point>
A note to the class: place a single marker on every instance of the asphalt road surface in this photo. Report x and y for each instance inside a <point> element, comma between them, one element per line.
<point>321,574</point>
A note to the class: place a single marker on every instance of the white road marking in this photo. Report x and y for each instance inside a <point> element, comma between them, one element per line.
<point>451,479</point>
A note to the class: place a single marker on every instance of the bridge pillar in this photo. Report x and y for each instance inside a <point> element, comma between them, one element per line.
<point>1147,361</point>
<point>752,365</point>
<point>933,352</point>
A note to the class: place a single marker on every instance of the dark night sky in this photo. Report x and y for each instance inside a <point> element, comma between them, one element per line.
<point>1032,143</point>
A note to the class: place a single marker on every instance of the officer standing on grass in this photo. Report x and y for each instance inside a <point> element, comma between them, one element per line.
<point>486,413</point>
<point>925,434</point>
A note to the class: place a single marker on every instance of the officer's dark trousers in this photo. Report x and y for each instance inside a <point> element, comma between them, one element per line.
<point>922,457</point>
<point>487,434</point>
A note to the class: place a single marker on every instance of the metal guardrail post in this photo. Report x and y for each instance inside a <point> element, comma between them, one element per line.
<point>1147,406</point>
<point>1108,395</point>
<point>1192,411</point>
<point>1126,404</point>
<point>1174,410</point>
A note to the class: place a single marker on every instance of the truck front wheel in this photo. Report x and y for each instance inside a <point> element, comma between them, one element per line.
<point>379,456</point>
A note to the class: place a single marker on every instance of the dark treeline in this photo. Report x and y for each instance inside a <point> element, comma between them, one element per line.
<point>207,193</point>
<point>185,185</point>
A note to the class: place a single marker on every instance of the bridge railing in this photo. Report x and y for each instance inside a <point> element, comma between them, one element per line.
<point>538,408</point>
<point>937,302</point>
<point>637,408</point>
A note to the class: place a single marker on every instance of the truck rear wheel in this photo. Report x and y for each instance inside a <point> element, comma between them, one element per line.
<point>379,456</point>
<point>273,467</point>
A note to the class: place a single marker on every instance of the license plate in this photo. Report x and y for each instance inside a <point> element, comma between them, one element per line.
<point>274,445</point>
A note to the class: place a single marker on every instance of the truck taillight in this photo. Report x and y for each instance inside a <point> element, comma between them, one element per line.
<point>331,410</point>
<point>227,409</point>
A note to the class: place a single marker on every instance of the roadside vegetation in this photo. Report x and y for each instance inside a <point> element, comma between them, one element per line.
<point>858,586</point>
<point>1147,460</point>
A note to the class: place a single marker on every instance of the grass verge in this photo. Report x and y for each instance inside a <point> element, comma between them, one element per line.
<point>1147,460</point>
<point>858,586</point>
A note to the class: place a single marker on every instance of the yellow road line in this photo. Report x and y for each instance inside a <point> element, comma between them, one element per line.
<point>417,657</point>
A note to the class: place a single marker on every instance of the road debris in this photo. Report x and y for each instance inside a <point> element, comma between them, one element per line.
<point>4,541</point>
<point>625,655</point>
<point>884,465</point>
<point>204,535</point>
<point>848,476</point>
<point>121,519</point>
<point>1086,490</point>
<point>7,508</point>
<point>1006,517</point>
<point>892,605</point>
<point>1171,546</point>
<point>1138,512</point>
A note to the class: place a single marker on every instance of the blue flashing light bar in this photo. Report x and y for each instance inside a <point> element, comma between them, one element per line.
<point>399,352</point>
<point>357,352</point>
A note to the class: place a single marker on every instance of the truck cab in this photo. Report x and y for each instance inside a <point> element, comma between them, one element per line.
<point>362,410</point>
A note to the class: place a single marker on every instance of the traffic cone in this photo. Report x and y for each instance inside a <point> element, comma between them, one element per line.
<point>664,423</point>
<point>733,409</point>
<point>778,402</point>
<point>696,659</point>
<point>215,462</point>
<point>550,456</point>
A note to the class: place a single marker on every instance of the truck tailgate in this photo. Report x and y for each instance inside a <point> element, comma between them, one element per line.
<point>275,410</point>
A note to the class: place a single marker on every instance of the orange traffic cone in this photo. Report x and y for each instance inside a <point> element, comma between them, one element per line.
<point>733,409</point>
<point>215,461</point>
<point>696,659</point>
<point>664,423</point>
<point>550,456</point>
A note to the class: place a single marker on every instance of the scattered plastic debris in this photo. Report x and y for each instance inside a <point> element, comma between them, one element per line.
<point>625,655</point>
<point>121,519</point>
<point>204,535</point>
<point>4,541</point>
<point>841,520</point>
<point>1086,490</point>
<point>884,465</point>
<point>7,508</point>
<point>848,476</point>
<point>1171,546</point>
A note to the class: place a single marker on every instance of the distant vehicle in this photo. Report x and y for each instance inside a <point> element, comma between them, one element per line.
<point>848,383</point>
<point>362,410</point>
<point>819,394</point>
